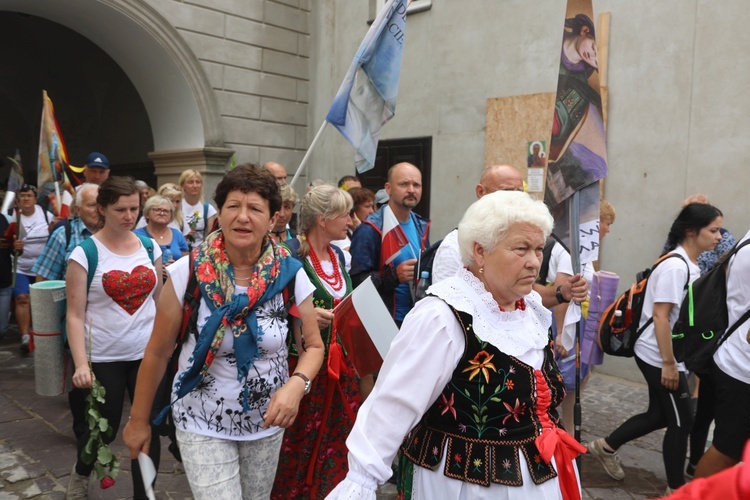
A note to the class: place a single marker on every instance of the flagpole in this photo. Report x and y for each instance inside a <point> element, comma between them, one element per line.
<point>574,211</point>
<point>15,252</point>
<point>307,154</point>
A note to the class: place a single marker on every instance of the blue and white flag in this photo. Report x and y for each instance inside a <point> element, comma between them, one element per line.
<point>367,96</point>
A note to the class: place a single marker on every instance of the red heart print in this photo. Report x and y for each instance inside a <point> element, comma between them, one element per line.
<point>129,289</point>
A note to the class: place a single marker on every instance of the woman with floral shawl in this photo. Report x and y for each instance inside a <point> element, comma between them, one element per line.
<point>232,395</point>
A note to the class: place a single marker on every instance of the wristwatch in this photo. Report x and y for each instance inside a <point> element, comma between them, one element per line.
<point>303,377</point>
<point>559,295</point>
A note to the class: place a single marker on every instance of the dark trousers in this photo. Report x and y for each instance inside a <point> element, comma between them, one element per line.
<point>118,377</point>
<point>704,415</point>
<point>670,409</point>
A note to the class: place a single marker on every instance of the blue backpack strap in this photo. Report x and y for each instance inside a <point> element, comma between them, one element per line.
<point>92,257</point>
<point>205,219</point>
<point>148,244</point>
<point>293,246</point>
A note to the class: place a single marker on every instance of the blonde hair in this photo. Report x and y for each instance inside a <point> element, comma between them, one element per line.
<point>170,190</point>
<point>488,220</point>
<point>606,211</point>
<point>187,174</point>
<point>326,200</point>
<point>288,194</point>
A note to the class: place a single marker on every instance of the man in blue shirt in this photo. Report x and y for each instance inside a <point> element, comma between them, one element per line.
<point>53,262</point>
<point>392,279</point>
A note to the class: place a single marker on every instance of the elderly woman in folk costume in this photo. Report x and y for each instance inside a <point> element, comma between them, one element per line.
<point>313,458</point>
<point>471,380</point>
<point>233,393</point>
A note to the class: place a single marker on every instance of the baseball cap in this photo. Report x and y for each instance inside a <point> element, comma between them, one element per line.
<point>97,160</point>
<point>381,197</point>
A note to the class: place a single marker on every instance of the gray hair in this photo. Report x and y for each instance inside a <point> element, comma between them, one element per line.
<point>288,194</point>
<point>85,187</point>
<point>488,219</point>
<point>141,184</point>
<point>157,201</point>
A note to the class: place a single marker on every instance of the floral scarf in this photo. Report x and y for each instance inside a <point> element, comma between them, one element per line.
<point>274,269</point>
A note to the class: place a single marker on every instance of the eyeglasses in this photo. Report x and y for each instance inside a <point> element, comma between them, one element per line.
<point>161,211</point>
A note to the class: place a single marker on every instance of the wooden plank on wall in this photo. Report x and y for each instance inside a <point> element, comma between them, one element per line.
<point>512,122</point>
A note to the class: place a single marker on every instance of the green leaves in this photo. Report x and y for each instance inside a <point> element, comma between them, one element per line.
<point>95,448</point>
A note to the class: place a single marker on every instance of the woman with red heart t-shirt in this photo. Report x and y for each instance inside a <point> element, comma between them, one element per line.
<point>111,322</point>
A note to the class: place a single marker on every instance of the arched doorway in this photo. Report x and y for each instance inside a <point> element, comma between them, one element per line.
<point>96,105</point>
<point>155,67</point>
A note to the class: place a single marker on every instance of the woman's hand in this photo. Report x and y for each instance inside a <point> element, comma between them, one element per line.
<point>164,273</point>
<point>17,245</point>
<point>83,377</point>
<point>137,437</point>
<point>575,289</point>
<point>324,317</point>
<point>670,377</point>
<point>560,350</point>
<point>284,405</point>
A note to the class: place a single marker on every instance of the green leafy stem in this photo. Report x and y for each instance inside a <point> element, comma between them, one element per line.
<point>96,451</point>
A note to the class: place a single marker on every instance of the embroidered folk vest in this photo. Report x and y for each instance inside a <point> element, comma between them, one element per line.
<point>486,416</point>
<point>323,299</point>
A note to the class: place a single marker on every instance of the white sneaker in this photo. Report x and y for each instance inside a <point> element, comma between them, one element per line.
<point>78,486</point>
<point>610,461</point>
<point>25,344</point>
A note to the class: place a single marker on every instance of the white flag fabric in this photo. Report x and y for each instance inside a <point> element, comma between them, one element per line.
<point>367,97</point>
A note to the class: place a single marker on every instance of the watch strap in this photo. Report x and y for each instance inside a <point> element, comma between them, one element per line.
<point>559,295</point>
<point>303,377</point>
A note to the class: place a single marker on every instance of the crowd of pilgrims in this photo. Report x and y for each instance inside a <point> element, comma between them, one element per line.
<point>257,393</point>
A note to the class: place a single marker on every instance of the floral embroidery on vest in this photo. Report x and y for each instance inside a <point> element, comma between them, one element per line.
<point>485,417</point>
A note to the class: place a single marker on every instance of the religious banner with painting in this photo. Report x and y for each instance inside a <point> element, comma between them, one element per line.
<point>577,157</point>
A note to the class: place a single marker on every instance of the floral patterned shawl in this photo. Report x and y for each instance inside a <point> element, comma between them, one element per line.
<point>274,269</point>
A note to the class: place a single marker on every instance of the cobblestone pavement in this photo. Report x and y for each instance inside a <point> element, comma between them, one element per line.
<point>37,448</point>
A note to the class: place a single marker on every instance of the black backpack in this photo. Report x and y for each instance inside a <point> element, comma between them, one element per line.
<point>426,260</point>
<point>701,326</point>
<point>617,334</point>
<point>546,255</point>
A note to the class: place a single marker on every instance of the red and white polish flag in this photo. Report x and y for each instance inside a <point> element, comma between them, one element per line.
<point>365,327</point>
<point>394,238</point>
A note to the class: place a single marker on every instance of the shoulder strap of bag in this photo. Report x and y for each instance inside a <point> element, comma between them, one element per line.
<point>659,261</point>
<point>205,219</point>
<point>148,244</point>
<point>92,257</point>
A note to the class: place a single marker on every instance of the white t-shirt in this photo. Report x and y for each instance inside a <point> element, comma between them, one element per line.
<point>120,309</point>
<point>733,356</point>
<point>344,246</point>
<point>665,285</point>
<point>195,212</point>
<point>214,408</point>
<point>447,258</point>
<point>559,262</point>
<point>36,228</point>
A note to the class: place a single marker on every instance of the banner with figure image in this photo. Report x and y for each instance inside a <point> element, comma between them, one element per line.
<point>577,157</point>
